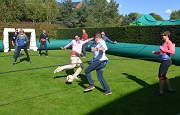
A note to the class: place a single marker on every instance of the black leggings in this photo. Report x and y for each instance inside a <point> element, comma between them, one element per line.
<point>165,64</point>
<point>18,52</point>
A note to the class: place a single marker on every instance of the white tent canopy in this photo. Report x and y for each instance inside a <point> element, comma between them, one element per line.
<point>32,38</point>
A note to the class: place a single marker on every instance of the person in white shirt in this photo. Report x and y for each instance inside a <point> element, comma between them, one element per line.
<point>98,63</point>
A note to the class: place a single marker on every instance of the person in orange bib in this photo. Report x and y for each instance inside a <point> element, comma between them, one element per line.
<point>42,42</point>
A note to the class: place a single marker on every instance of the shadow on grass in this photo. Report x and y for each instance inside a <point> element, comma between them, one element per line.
<point>143,101</point>
<point>83,80</point>
<point>137,80</point>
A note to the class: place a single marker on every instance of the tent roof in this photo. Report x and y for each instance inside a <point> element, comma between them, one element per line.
<point>146,20</point>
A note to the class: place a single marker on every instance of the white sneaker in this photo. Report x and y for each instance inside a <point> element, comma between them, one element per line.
<point>57,70</point>
<point>76,78</point>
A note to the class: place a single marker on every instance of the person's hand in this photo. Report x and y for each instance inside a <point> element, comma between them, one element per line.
<point>63,48</point>
<point>153,52</point>
<point>115,42</point>
<point>93,49</point>
<point>12,44</point>
<point>91,38</point>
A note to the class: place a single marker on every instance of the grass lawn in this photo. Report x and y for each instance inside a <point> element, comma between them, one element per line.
<point>33,89</point>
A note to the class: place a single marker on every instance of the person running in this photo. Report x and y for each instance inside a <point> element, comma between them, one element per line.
<point>42,42</point>
<point>98,63</point>
<point>84,37</point>
<point>21,41</point>
<point>14,37</point>
<point>166,50</point>
<point>106,39</point>
<point>74,55</point>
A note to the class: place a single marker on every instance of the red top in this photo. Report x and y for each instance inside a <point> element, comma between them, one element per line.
<point>84,36</point>
<point>167,48</point>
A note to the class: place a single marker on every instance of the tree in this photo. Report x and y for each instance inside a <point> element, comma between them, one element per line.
<point>156,16</point>
<point>175,15</point>
<point>101,13</point>
<point>11,10</point>
<point>127,19</point>
<point>66,16</point>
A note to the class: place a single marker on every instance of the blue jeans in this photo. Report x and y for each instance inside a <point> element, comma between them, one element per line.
<point>84,49</point>
<point>99,67</point>
<point>15,51</point>
<point>45,46</point>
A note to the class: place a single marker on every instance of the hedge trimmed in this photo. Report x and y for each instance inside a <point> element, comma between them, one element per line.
<point>128,34</point>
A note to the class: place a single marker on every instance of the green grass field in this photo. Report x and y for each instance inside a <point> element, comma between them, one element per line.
<point>33,89</point>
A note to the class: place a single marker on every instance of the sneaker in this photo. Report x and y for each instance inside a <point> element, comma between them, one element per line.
<point>84,57</point>
<point>107,93</point>
<point>171,91</point>
<point>14,63</point>
<point>76,78</point>
<point>57,69</point>
<point>39,54</point>
<point>90,87</point>
<point>158,93</point>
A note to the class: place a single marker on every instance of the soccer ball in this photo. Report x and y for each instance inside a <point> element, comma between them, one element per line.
<point>70,78</point>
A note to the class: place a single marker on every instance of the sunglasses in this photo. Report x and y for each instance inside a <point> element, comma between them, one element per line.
<point>102,34</point>
<point>163,35</point>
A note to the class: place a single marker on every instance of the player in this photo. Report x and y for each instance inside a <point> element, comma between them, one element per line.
<point>42,42</point>
<point>98,63</point>
<point>165,56</point>
<point>74,55</point>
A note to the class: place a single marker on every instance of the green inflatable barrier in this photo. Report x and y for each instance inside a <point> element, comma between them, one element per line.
<point>1,46</point>
<point>139,51</point>
<point>54,44</point>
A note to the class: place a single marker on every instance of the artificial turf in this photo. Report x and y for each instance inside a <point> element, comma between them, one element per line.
<point>33,89</point>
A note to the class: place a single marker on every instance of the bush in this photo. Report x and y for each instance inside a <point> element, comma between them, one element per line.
<point>128,34</point>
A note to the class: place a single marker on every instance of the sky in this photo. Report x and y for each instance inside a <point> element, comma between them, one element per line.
<point>160,7</point>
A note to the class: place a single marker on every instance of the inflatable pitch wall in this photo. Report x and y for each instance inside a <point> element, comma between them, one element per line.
<point>139,51</point>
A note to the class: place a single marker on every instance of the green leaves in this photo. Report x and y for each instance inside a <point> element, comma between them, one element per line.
<point>175,15</point>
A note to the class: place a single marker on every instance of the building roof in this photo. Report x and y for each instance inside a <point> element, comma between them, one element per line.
<point>73,6</point>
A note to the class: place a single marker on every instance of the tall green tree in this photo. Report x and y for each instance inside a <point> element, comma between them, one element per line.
<point>66,15</point>
<point>50,9</point>
<point>156,16</point>
<point>127,19</point>
<point>101,13</point>
<point>11,10</point>
<point>175,15</point>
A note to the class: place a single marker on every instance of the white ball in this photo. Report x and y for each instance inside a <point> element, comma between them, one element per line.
<point>70,78</point>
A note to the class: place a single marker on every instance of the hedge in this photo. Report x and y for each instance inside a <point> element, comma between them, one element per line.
<point>127,34</point>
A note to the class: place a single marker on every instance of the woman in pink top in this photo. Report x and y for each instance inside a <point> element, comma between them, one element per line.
<point>75,55</point>
<point>166,50</point>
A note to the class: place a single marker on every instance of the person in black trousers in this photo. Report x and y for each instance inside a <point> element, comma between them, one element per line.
<point>42,42</point>
<point>21,41</point>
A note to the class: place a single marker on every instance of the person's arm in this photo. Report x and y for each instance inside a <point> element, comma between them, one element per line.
<point>17,40</point>
<point>157,53</point>
<point>68,45</point>
<point>47,37</point>
<point>26,38</point>
<point>85,41</point>
<point>170,50</point>
<point>40,39</point>
<point>108,40</point>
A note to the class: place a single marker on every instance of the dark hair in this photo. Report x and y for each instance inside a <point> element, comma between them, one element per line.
<point>166,33</point>
<point>76,35</point>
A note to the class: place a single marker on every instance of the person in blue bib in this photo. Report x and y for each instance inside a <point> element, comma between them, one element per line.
<point>21,41</point>
<point>98,63</point>
<point>42,42</point>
